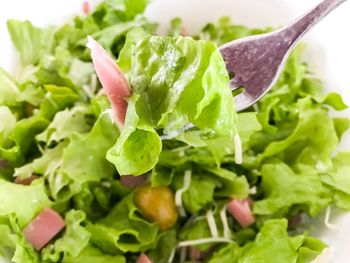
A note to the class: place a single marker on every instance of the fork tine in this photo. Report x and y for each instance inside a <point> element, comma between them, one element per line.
<point>234,85</point>
<point>244,100</point>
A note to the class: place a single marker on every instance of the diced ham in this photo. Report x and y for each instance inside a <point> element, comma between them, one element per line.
<point>143,259</point>
<point>26,181</point>
<point>86,7</point>
<point>133,181</point>
<point>112,79</point>
<point>241,211</point>
<point>43,228</point>
<point>184,32</point>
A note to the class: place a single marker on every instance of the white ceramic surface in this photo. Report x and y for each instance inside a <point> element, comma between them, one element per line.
<point>328,52</point>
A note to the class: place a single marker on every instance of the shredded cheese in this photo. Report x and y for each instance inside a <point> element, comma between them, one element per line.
<point>326,220</point>
<point>238,150</point>
<point>172,256</point>
<point>223,217</point>
<point>212,224</point>
<point>204,241</point>
<point>323,257</point>
<point>253,190</point>
<point>178,194</point>
<point>182,255</point>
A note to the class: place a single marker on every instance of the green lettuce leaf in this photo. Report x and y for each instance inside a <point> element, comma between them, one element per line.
<point>223,31</point>
<point>64,124</point>
<point>339,181</point>
<point>8,123</point>
<point>312,141</point>
<point>93,255</point>
<point>190,84</point>
<point>307,191</point>
<point>25,201</point>
<point>74,240</point>
<point>13,244</point>
<point>165,246</point>
<point>138,147</point>
<point>272,244</point>
<point>9,90</point>
<point>200,193</point>
<point>91,149</point>
<point>57,98</point>
<point>21,139</point>
<point>31,42</point>
<point>123,230</point>
<point>229,253</point>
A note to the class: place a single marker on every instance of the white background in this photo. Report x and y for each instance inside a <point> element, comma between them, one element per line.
<point>328,50</point>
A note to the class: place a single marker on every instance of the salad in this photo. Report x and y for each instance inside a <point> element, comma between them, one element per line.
<point>121,145</point>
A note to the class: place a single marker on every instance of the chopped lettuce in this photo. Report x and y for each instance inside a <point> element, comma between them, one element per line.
<point>24,201</point>
<point>338,180</point>
<point>31,42</point>
<point>91,149</point>
<point>74,239</point>
<point>8,89</point>
<point>307,192</point>
<point>123,230</point>
<point>189,84</point>
<point>272,244</point>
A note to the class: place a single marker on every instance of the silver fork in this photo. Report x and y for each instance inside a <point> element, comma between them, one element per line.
<point>257,61</point>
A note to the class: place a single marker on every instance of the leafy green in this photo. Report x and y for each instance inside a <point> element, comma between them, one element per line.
<point>223,31</point>
<point>199,194</point>
<point>8,89</point>
<point>189,84</point>
<point>123,230</point>
<point>93,255</point>
<point>22,200</point>
<point>272,244</point>
<point>307,192</point>
<point>31,42</point>
<point>74,239</point>
<point>64,124</point>
<point>13,244</point>
<point>165,246</point>
<point>338,180</point>
<point>21,138</point>
<point>137,148</point>
<point>91,149</point>
<point>56,99</point>
<point>299,146</point>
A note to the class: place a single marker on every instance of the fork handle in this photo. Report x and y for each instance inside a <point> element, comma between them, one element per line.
<point>300,27</point>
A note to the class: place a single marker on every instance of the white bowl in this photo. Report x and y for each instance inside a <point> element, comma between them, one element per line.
<point>328,51</point>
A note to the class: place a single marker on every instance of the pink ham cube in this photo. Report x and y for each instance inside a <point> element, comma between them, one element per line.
<point>43,228</point>
<point>240,210</point>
